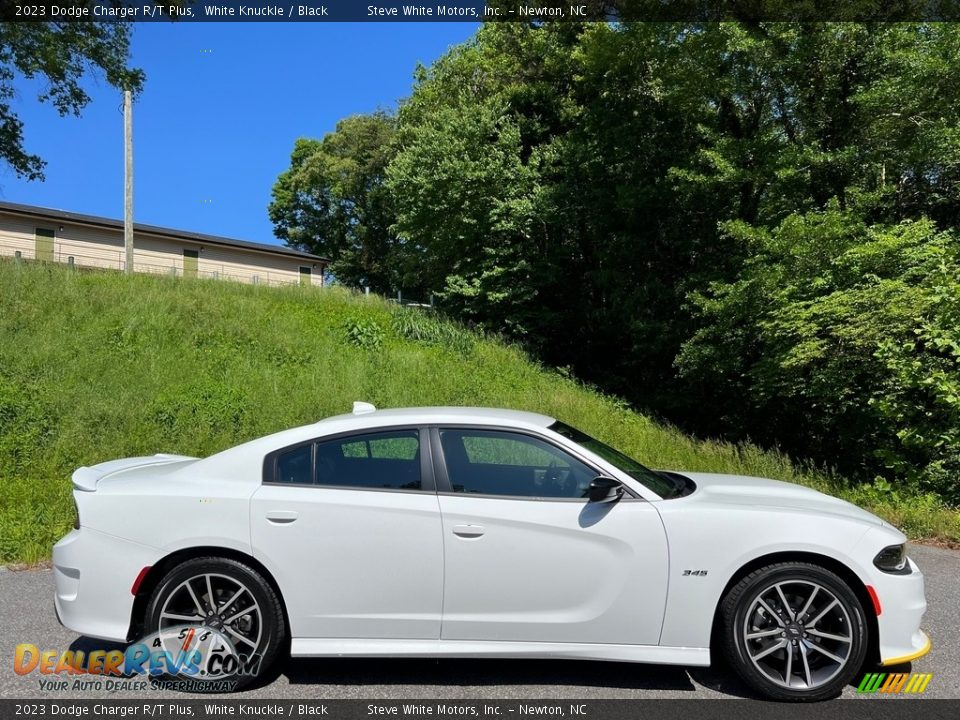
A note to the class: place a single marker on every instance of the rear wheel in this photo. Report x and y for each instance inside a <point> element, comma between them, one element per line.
<point>794,631</point>
<point>225,612</point>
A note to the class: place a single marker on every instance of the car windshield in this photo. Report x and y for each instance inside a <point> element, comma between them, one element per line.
<point>663,485</point>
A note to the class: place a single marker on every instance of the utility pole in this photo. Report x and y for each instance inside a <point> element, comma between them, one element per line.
<point>128,178</point>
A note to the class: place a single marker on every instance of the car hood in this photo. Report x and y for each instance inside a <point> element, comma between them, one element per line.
<point>754,491</point>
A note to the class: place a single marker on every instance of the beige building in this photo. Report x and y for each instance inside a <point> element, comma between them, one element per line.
<point>86,241</point>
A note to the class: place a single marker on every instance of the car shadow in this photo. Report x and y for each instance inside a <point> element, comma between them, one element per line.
<point>88,645</point>
<point>461,672</point>
<point>721,679</point>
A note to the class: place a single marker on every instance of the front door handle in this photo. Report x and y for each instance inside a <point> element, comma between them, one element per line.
<point>282,517</point>
<point>468,531</point>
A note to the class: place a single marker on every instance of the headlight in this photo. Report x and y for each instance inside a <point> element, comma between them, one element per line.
<point>893,559</point>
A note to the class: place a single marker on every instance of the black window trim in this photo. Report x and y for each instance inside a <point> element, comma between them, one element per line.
<point>442,478</point>
<point>427,479</point>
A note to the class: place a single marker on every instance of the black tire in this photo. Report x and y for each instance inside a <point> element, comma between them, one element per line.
<point>227,575</point>
<point>818,676</point>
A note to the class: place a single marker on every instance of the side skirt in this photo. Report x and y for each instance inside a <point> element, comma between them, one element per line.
<point>364,647</point>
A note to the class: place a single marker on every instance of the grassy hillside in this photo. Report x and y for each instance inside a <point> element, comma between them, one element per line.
<point>99,366</point>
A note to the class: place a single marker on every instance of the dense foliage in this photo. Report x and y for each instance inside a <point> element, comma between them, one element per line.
<point>750,229</point>
<point>100,365</point>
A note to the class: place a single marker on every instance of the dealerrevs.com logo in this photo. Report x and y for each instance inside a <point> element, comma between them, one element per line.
<point>184,658</point>
<point>895,683</point>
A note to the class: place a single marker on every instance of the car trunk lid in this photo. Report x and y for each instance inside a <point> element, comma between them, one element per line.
<point>87,479</point>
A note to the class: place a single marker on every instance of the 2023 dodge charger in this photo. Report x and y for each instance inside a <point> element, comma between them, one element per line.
<point>486,533</point>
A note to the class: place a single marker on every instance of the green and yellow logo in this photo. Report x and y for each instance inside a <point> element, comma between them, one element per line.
<point>895,683</point>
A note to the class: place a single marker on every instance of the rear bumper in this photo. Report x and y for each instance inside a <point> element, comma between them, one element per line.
<point>93,573</point>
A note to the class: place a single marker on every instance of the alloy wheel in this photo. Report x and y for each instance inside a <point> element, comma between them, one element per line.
<point>218,602</point>
<point>798,634</point>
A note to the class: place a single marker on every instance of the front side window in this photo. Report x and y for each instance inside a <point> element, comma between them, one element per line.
<point>496,462</point>
<point>666,486</point>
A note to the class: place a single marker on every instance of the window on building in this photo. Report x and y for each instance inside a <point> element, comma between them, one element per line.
<point>44,238</point>
<point>191,263</point>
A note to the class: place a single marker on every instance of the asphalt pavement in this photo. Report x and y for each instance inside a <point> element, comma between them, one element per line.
<point>26,616</point>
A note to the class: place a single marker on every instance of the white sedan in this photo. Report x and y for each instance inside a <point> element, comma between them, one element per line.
<point>466,532</point>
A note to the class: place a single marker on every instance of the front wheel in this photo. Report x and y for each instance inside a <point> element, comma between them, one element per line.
<point>220,622</point>
<point>794,631</point>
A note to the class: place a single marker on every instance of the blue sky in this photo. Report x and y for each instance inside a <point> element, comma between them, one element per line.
<point>222,106</point>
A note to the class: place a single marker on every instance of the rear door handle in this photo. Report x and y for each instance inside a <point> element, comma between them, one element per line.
<point>282,517</point>
<point>468,531</point>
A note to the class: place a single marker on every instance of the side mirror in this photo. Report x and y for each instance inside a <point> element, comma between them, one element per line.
<point>605,489</point>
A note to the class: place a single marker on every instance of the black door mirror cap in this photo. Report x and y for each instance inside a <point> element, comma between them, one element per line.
<point>605,489</point>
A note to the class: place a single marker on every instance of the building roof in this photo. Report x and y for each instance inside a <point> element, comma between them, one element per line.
<point>97,221</point>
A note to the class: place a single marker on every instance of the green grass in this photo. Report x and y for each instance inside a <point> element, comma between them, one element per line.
<point>95,366</point>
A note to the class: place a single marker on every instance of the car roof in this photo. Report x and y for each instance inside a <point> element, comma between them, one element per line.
<point>237,459</point>
<point>431,415</point>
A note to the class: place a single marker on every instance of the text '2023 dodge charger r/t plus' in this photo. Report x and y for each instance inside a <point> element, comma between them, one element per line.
<point>471,532</point>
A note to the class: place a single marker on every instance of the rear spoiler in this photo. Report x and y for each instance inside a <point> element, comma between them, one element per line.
<point>85,479</point>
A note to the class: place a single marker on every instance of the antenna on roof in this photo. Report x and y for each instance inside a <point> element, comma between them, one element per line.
<point>362,408</point>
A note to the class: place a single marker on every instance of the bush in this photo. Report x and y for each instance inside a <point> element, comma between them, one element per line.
<point>202,410</point>
<point>839,341</point>
<point>25,426</point>
<point>920,397</point>
<point>365,334</point>
<point>430,330</point>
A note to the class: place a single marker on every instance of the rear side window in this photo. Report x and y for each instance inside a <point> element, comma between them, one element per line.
<point>400,447</point>
<point>295,466</point>
<point>386,460</point>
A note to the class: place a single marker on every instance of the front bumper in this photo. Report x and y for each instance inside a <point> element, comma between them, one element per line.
<point>925,645</point>
<point>902,604</point>
<point>93,573</point>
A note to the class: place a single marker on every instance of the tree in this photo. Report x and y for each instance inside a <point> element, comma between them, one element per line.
<point>734,225</point>
<point>828,341</point>
<point>331,201</point>
<point>474,142</point>
<point>470,161</point>
<point>63,54</point>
